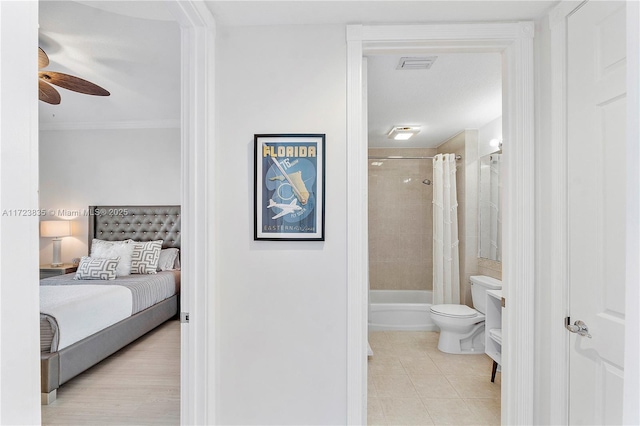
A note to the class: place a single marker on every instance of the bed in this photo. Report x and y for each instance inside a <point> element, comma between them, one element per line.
<point>140,303</point>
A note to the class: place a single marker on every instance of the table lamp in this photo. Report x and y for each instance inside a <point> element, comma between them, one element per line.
<point>55,229</point>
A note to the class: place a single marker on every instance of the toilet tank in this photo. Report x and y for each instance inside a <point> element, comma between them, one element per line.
<point>479,286</point>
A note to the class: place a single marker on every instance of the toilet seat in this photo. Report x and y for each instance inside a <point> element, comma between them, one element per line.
<point>454,311</point>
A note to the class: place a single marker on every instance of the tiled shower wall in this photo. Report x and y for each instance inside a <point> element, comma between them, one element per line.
<point>400,220</point>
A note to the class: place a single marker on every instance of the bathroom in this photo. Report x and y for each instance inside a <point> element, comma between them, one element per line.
<point>401,227</point>
<point>462,90</point>
<point>401,191</point>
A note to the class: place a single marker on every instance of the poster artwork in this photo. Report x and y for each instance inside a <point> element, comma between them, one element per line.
<point>289,187</point>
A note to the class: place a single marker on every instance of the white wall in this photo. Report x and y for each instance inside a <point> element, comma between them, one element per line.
<point>79,168</point>
<point>19,319</point>
<point>281,316</point>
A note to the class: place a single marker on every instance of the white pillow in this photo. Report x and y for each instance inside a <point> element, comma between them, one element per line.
<point>113,249</point>
<point>167,261</point>
<point>93,268</point>
<point>145,256</point>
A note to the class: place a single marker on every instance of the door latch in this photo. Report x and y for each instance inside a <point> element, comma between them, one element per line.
<point>578,327</point>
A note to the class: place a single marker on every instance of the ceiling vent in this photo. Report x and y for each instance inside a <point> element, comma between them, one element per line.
<point>416,63</point>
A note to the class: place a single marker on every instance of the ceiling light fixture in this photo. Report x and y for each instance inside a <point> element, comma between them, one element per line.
<point>402,133</point>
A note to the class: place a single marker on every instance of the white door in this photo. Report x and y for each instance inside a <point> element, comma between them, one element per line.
<point>596,177</point>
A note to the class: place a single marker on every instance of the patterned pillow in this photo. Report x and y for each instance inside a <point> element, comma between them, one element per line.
<point>95,268</point>
<point>144,259</point>
<point>111,250</point>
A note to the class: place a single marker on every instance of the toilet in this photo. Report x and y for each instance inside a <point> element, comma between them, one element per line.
<point>462,327</point>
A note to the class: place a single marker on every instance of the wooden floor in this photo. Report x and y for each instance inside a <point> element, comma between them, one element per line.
<point>139,385</point>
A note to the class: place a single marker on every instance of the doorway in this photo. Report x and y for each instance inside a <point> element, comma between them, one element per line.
<point>111,141</point>
<point>514,42</point>
<point>454,102</point>
<point>197,37</point>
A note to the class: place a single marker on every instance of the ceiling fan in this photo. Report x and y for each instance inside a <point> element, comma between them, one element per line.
<point>50,95</point>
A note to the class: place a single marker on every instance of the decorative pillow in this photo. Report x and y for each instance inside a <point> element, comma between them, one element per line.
<point>95,268</point>
<point>167,261</point>
<point>113,249</point>
<point>145,256</point>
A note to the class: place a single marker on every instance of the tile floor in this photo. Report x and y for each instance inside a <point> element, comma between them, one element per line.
<point>412,383</point>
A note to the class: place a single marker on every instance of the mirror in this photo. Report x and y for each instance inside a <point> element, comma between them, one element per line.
<point>490,216</point>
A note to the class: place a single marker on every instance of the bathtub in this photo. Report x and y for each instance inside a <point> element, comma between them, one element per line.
<point>403,310</point>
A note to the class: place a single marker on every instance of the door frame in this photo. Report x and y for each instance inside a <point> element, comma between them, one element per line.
<point>559,304</point>
<point>197,336</point>
<point>515,42</point>
<point>559,239</point>
<point>631,410</point>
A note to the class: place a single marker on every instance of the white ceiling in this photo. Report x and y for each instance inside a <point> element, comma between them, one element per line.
<point>132,49</point>
<point>460,91</point>
<point>137,60</point>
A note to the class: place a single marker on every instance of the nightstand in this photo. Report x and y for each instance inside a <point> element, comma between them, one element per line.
<point>47,270</point>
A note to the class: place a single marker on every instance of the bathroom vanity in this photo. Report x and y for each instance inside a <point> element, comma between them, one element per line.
<point>493,329</point>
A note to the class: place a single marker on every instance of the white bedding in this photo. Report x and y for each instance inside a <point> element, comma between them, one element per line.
<point>99,306</point>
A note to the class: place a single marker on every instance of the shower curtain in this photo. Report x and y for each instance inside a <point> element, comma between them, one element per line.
<point>446,264</point>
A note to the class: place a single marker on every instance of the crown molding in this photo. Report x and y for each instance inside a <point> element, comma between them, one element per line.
<point>112,125</point>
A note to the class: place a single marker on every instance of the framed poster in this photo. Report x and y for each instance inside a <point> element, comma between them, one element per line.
<point>289,187</point>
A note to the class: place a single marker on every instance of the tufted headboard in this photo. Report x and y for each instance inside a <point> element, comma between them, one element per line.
<point>140,223</point>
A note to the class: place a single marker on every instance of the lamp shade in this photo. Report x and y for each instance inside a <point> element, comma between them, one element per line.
<point>55,228</point>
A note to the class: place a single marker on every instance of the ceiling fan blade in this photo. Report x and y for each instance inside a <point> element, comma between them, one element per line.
<point>43,59</point>
<point>70,82</point>
<point>48,94</point>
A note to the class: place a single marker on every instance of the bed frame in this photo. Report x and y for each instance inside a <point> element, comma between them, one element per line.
<point>115,223</point>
